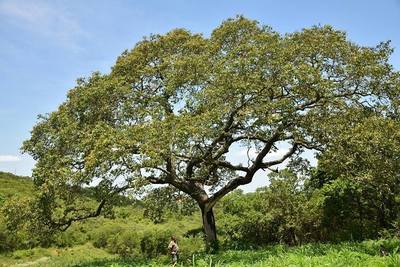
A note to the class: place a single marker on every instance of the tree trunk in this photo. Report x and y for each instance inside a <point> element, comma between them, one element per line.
<point>209,229</point>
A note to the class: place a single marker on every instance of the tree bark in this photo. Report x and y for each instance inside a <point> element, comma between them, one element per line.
<point>210,230</point>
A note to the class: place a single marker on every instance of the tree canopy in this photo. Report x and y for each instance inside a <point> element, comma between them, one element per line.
<point>174,107</point>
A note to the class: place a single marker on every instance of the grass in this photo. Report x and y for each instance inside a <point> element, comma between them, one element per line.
<point>54,257</point>
<point>366,253</point>
<point>13,185</point>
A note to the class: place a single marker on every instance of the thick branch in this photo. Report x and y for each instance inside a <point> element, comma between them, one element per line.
<point>232,167</point>
<point>223,135</point>
<point>242,180</point>
<point>267,147</point>
<point>282,159</point>
<point>64,225</point>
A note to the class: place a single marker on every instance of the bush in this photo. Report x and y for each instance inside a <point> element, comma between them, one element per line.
<point>4,242</point>
<point>73,236</point>
<point>125,244</point>
<point>190,246</point>
<point>101,236</point>
<point>154,242</point>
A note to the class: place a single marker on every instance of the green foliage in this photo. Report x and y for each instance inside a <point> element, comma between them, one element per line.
<point>75,236</point>
<point>125,244</point>
<point>100,237</point>
<point>145,242</point>
<point>319,207</point>
<point>153,243</point>
<point>295,210</point>
<point>23,226</point>
<point>280,213</point>
<point>5,242</point>
<point>361,198</point>
<point>173,107</point>
<point>169,113</point>
<point>14,192</point>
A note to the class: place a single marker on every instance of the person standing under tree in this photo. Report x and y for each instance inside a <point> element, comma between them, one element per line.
<point>174,250</point>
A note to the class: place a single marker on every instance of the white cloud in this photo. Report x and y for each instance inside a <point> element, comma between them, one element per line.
<point>44,19</point>
<point>9,158</point>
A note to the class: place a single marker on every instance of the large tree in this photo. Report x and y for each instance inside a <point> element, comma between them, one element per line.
<point>176,106</point>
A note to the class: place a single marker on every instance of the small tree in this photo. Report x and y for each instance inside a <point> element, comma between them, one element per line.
<point>174,108</point>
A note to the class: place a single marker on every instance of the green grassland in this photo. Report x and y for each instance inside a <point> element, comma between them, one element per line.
<point>365,253</point>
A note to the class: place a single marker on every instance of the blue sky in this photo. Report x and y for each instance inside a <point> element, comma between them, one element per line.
<point>46,45</point>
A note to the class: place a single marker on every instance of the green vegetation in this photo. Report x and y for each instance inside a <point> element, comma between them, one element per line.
<point>172,112</point>
<point>173,109</point>
<point>13,189</point>
<point>366,253</point>
<point>13,185</point>
<point>249,223</point>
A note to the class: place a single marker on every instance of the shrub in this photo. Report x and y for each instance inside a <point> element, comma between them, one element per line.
<point>125,244</point>
<point>73,236</point>
<point>101,235</point>
<point>190,246</point>
<point>4,242</point>
<point>154,242</point>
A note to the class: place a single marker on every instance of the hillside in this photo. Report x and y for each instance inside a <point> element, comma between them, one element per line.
<point>13,185</point>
